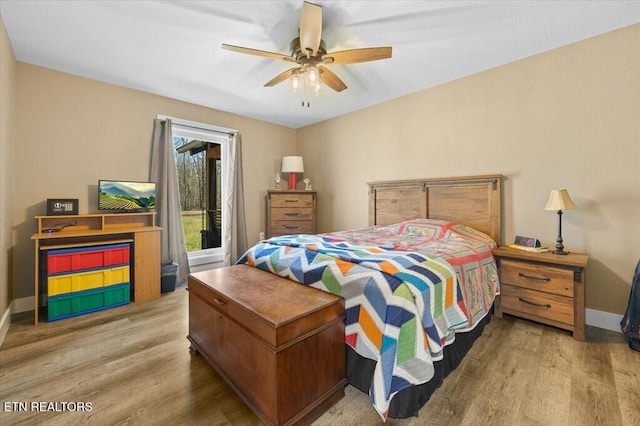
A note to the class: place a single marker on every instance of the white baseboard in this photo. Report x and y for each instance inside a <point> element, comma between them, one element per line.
<point>602,319</point>
<point>5,322</point>
<point>24,304</point>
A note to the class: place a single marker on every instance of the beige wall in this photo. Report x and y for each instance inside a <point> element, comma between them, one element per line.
<point>74,131</point>
<point>7,143</point>
<point>568,118</point>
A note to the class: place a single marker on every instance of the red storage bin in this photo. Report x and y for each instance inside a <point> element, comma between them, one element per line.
<point>67,260</point>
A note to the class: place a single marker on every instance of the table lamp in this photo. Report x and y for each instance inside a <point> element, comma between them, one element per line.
<point>292,165</point>
<point>559,200</point>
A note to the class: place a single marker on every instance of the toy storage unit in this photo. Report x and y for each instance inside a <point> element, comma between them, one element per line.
<point>87,279</point>
<point>110,258</point>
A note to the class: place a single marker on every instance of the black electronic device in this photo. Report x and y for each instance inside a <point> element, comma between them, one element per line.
<point>62,206</point>
<point>527,241</point>
<point>528,244</point>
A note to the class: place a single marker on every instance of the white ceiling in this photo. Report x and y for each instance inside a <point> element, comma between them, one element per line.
<point>173,48</point>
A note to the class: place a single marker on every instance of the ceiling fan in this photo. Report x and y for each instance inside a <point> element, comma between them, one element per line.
<point>309,53</point>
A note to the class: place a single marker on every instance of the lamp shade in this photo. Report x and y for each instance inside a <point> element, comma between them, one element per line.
<point>559,199</point>
<point>292,164</point>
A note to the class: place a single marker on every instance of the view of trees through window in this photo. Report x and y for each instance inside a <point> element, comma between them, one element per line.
<point>198,166</point>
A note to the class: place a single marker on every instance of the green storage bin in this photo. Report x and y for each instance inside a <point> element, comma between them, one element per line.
<point>59,308</point>
<point>83,302</point>
<point>117,295</point>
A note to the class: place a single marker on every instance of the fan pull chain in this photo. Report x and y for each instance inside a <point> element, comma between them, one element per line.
<point>303,104</point>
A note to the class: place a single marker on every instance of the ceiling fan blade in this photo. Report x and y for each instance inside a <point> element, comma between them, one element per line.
<point>280,77</point>
<point>310,28</point>
<point>257,52</point>
<point>354,56</point>
<point>330,79</point>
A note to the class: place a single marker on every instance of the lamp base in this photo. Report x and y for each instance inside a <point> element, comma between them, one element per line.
<point>559,245</point>
<point>293,182</point>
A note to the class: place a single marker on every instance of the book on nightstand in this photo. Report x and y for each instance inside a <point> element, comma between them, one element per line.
<point>529,249</point>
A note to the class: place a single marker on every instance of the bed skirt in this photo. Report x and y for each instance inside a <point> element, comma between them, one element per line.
<point>408,402</point>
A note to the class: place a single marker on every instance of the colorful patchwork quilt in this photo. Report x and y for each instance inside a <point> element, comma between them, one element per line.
<point>404,300</point>
<point>467,250</point>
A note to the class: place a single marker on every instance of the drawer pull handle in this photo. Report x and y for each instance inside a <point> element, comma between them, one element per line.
<point>219,302</point>
<point>529,277</point>
<point>292,214</point>
<point>540,305</point>
<point>291,201</point>
<point>290,227</point>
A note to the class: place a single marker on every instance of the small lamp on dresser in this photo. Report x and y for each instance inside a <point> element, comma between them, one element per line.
<point>292,165</point>
<point>559,200</point>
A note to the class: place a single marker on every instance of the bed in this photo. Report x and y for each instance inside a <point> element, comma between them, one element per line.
<point>419,282</point>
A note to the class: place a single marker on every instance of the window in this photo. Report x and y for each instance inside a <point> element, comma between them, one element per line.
<point>199,161</point>
<point>198,166</point>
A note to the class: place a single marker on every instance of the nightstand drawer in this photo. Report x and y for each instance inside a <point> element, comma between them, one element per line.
<point>543,287</point>
<point>518,300</point>
<point>537,277</point>
<point>291,227</point>
<point>292,200</point>
<point>305,213</point>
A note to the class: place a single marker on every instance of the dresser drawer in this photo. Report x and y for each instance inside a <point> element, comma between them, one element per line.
<point>292,200</point>
<point>289,214</point>
<point>291,227</point>
<point>537,277</point>
<point>518,300</point>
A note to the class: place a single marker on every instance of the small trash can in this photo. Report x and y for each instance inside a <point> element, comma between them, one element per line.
<point>169,276</point>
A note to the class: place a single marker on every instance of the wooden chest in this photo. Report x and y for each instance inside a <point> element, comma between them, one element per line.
<point>291,212</point>
<point>278,344</point>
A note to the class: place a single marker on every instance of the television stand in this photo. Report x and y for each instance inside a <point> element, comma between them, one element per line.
<point>76,231</point>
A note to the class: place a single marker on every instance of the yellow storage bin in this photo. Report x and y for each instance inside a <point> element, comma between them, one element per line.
<point>71,283</point>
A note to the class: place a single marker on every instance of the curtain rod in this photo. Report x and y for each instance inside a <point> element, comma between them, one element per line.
<point>198,126</point>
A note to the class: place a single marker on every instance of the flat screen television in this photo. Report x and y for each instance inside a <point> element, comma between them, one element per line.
<point>126,196</point>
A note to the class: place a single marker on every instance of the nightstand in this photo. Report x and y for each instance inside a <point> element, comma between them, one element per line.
<point>543,287</point>
<point>291,212</point>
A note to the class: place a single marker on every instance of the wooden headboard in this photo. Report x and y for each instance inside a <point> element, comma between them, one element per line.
<point>472,200</point>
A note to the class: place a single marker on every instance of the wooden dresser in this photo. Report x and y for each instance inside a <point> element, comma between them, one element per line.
<point>543,287</point>
<point>279,344</point>
<point>291,212</point>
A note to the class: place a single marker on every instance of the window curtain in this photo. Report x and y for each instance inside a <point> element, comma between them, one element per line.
<point>165,175</point>
<point>234,230</point>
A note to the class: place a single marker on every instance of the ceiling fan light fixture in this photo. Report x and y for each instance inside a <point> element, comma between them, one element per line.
<point>295,82</point>
<point>306,80</point>
<point>313,74</point>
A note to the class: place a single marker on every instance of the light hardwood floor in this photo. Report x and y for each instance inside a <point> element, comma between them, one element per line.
<point>133,365</point>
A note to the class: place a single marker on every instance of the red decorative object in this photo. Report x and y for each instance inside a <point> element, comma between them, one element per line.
<point>293,182</point>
